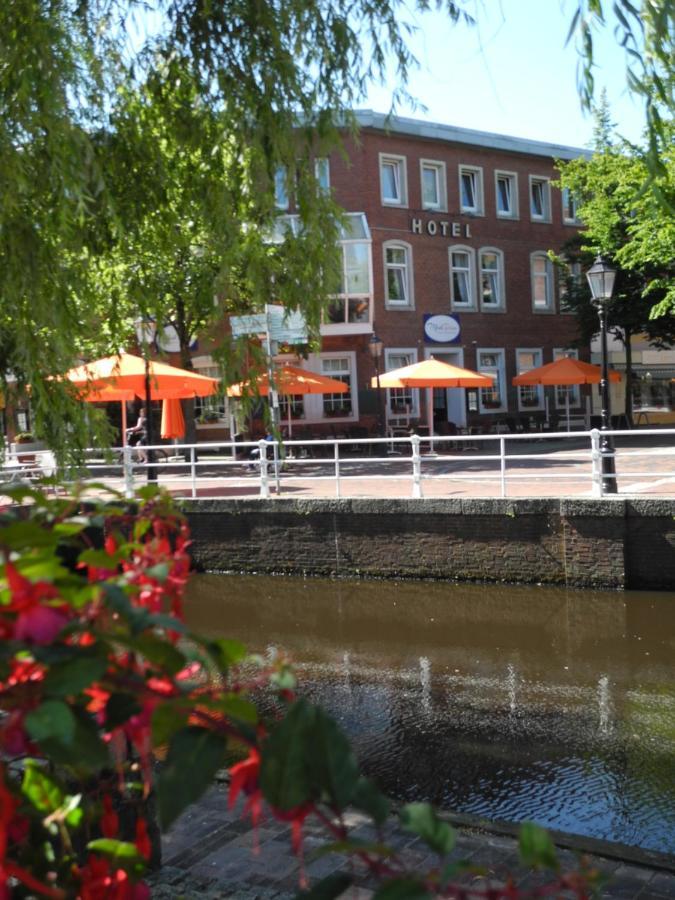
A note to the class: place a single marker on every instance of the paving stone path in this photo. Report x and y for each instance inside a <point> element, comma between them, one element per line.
<point>212,854</point>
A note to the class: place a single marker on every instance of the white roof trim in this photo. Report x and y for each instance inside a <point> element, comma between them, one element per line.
<point>367,118</point>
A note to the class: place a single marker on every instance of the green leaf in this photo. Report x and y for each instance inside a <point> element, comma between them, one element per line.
<point>51,720</point>
<point>237,707</point>
<point>284,766</point>
<point>226,653</point>
<point>167,719</point>
<point>100,559</point>
<point>159,651</point>
<point>403,889</point>
<point>74,676</point>
<point>40,788</point>
<point>159,572</point>
<point>371,801</point>
<point>119,709</point>
<point>328,888</point>
<point>27,535</point>
<point>333,765</point>
<point>195,755</point>
<point>421,819</point>
<point>121,852</point>
<point>536,847</point>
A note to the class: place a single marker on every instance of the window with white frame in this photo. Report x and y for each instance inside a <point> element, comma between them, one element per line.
<point>339,368</point>
<point>462,279</point>
<point>540,199</point>
<point>401,401</point>
<point>530,396</point>
<point>569,207</point>
<point>541,270</point>
<point>506,194</point>
<point>471,190</point>
<point>491,266</point>
<point>434,193</point>
<point>351,302</point>
<point>569,278</point>
<point>393,182</point>
<point>562,391</point>
<point>281,199</point>
<point>491,363</point>
<point>322,173</point>
<point>296,402</point>
<point>398,280</point>
<point>209,410</point>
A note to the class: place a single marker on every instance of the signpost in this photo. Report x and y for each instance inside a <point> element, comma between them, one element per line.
<point>274,326</point>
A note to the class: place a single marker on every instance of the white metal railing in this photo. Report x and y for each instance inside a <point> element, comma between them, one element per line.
<point>206,469</point>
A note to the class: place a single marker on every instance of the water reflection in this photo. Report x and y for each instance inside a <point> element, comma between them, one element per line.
<point>507,702</point>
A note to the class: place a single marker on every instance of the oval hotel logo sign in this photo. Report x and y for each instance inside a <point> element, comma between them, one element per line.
<point>441,329</point>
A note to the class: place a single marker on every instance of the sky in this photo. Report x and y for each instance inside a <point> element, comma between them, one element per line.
<point>512,74</point>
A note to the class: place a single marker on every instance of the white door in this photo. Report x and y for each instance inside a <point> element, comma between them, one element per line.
<point>455,399</point>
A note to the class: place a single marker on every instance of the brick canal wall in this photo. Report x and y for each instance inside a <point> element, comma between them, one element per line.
<point>614,543</point>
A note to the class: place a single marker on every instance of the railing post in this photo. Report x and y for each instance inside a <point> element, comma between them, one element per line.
<point>337,468</point>
<point>128,472</point>
<point>264,481</point>
<point>417,467</point>
<point>596,464</point>
<point>193,473</point>
<point>502,464</point>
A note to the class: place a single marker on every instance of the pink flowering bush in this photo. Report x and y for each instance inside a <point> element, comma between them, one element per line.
<point>99,678</point>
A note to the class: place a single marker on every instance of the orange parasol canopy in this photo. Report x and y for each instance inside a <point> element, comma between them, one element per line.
<point>173,420</point>
<point>432,373</point>
<point>123,377</point>
<point>289,380</point>
<point>565,370</point>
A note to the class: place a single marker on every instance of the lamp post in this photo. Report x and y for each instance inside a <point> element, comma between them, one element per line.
<point>375,346</point>
<point>601,282</point>
<point>146,332</point>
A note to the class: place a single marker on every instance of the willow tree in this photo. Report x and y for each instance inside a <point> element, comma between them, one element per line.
<point>277,77</point>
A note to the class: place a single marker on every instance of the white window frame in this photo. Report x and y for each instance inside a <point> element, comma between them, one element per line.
<point>400,163</point>
<point>205,365</point>
<point>322,162</point>
<point>574,389</point>
<point>463,248</point>
<point>479,208</point>
<point>282,198</point>
<point>441,184</point>
<point>501,281</point>
<point>414,392</point>
<point>538,388</point>
<point>567,198</point>
<point>545,181</point>
<point>500,369</point>
<point>513,178</point>
<point>409,280</point>
<point>550,300</point>
<point>345,326</point>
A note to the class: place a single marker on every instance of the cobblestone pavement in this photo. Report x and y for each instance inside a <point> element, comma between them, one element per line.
<point>212,854</point>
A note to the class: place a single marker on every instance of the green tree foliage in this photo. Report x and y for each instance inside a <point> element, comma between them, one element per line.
<point>633,231</point>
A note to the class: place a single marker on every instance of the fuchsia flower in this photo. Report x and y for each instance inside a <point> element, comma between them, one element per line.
<point>37,622</point>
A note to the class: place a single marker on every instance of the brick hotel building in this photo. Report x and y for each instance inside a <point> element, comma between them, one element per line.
<point>445,255</point>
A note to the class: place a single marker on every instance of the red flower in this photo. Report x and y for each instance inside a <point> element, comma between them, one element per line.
<point>36,622</point>
<point>110,821</point>
<point>99,882</point>
<point>142,839</point>
<point>244,777</point>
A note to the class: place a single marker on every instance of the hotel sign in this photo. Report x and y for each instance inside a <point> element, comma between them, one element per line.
<point>442,227</point>
<point>441,329</point>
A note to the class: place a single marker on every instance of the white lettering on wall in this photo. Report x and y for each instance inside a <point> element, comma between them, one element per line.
<point>432,227</point>
<point>456,229</point>
<point>416,226</point>
<point>443,227</point>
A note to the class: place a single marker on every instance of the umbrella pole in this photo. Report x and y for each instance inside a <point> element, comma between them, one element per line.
<point>124,423</point>
<point>430,417</point>
<point>567,406</point>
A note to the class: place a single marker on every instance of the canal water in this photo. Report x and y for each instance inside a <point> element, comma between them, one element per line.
<point>507,702</point>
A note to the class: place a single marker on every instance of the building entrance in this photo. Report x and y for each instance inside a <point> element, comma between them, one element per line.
<point>450,403</point>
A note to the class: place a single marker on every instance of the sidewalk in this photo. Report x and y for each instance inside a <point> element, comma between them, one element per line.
<point>210,855</point>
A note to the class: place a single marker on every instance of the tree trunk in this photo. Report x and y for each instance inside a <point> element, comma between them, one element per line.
<point>182,326</point>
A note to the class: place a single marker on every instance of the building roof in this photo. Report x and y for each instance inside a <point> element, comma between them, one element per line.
<point>367,118</point>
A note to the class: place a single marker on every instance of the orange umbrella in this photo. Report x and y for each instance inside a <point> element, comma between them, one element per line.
<point>564,371</point>
<point>289,380</point>
<point>122,378</point>
<point>431,373</point>
<point>173,420</point>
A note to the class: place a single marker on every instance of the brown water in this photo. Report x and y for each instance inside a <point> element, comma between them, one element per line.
<point>508,702</point>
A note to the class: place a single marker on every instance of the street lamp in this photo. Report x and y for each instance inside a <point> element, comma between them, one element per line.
<point>375,346</point>
<point>601,282</point>
<point>146,332</point>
